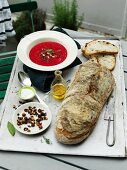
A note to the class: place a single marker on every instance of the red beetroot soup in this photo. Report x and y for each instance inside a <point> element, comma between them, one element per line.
<point>48,53</point>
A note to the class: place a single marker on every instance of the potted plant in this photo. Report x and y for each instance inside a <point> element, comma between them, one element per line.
<point>23,26</point>
<point>66,14</point>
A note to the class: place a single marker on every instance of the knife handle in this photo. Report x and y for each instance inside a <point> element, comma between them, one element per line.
<point>108,132</point>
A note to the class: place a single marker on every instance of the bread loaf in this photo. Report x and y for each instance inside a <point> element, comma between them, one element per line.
<point>83,103</point>
<point>99,47</point>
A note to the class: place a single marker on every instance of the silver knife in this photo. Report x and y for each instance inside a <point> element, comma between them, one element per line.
<point>110,117</point>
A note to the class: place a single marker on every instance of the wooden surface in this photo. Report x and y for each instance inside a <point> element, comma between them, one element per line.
<point>97,148</point>
<point>13,161</point>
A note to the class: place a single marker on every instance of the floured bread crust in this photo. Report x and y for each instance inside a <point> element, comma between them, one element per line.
<point>101,52</point>
<point>83,103</point>
<point>99,47</point>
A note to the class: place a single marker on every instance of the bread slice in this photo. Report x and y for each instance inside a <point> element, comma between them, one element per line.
<point>108,61</point>
<point>99,47</point>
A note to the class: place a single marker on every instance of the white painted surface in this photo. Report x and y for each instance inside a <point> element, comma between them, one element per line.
<point>18,160</point>
<point>95,145</point>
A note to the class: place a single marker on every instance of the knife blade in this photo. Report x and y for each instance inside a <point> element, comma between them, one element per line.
<point>110,117</point>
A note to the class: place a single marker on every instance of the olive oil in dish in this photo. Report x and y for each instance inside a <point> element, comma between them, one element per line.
<point>58,86</point>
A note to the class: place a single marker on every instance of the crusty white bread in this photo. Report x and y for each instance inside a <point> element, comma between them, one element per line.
<point>108,61</point>
<point>99,47</point>
<point>78,114</point>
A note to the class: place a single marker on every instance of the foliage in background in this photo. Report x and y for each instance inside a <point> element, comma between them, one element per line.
<point>66,14</point>
<point>23,25</point>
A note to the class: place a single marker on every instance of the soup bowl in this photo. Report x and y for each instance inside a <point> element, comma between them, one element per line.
<point>32,40</point>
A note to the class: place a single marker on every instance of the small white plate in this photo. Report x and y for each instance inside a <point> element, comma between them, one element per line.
<point>29,41</point>
<point>33,130</point>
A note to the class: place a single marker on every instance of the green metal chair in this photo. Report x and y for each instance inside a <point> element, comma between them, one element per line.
<point>6,65</point>
<point>7,58</point>
<point>25,6</point>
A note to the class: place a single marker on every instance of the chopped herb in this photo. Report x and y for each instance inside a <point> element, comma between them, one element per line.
<point>14,107</point>
<point>47,54</point>
<point>50,51</point>
<point>48,141</point>
<point>11,128</point>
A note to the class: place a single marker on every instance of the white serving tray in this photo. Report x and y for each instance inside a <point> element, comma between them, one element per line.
<point>94,145</point>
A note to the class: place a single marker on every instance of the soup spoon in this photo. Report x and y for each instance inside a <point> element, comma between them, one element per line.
<point>25,81</point>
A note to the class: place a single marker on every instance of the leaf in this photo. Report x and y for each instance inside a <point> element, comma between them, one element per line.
<point>47,140</point>
<point>11,128</point>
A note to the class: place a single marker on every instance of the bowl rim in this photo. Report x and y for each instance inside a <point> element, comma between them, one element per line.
<point>26,87</point>
<point>37,104</point>
<point>32,39</point>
